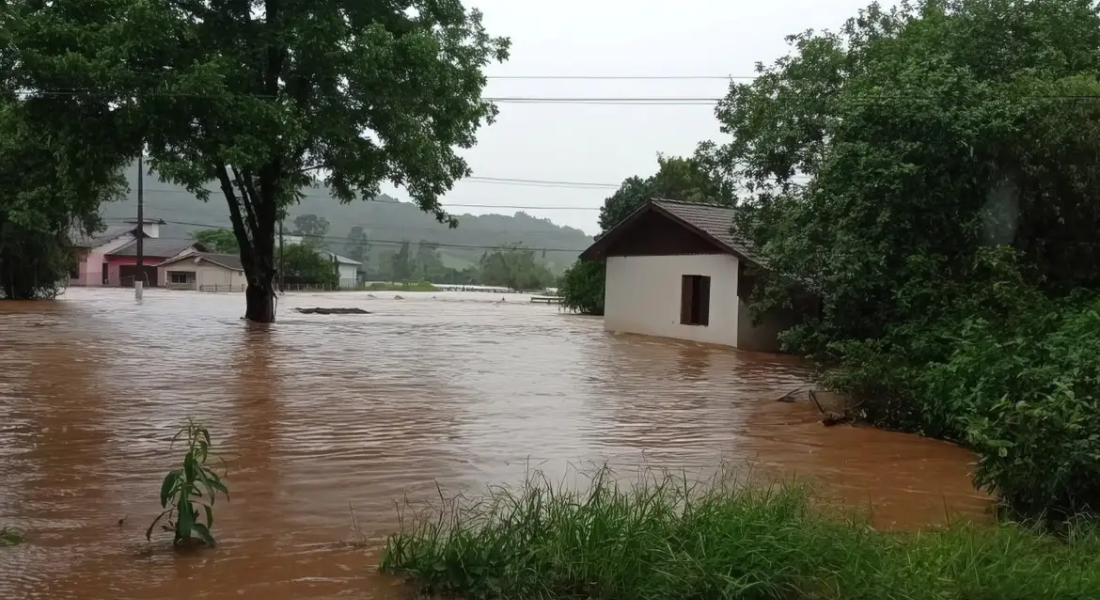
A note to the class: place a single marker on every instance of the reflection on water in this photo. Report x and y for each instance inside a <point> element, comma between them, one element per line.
<point>316,415</point>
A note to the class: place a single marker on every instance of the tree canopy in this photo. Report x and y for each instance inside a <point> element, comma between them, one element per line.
<point>51,187</point>
<point>930,171</point>
<point>266,98</point>
<point>217,240</point>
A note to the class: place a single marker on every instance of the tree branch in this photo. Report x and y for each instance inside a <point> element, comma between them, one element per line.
<point>239,229</point>
<point>247,200</point>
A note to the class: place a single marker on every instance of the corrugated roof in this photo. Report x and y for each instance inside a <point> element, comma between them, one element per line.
<point>155,247</point>
<point>716,221</point>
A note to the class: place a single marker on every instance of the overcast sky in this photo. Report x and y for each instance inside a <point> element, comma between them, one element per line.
<point>606,144</point>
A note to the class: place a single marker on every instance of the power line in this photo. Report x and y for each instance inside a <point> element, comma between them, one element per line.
<point>336,239</point>
<point>456,205</point>
<point>621,77</point>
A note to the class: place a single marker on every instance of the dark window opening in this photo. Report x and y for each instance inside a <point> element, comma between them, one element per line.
<point>75,272</point>
<point>695,300</point>
<point>179,276</point>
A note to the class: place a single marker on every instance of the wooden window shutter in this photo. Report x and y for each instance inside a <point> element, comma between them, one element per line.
<point>703,318</point>
<point>685,299</point>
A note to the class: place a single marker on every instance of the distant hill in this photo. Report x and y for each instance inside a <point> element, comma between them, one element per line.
<point>386,221</point>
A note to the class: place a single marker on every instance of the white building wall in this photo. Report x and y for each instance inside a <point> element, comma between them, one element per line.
<point>211,275</point>
<point>349,276</point>
<point>643,296</point>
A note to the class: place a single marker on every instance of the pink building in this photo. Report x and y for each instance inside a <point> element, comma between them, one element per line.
<point>92,268</point>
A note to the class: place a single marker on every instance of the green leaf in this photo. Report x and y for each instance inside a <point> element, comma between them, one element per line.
<point>186,520</point>
<point>209,515</point>
<point>203,532</point>
<point>170,482</point>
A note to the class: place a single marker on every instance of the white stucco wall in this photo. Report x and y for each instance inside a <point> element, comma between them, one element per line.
<point>349,276</point>
<point>204,274</point>
<point>643,296</point>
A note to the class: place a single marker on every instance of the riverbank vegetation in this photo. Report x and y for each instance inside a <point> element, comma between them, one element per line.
<point>668,538</point>
<point>929,172</point>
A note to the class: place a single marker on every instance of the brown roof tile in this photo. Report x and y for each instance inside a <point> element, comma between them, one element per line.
<point>713,220</point>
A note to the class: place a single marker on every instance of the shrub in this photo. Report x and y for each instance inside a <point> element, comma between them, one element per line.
<point>189,488</point>
<point>666,538</point>
<point>582,287</point>
<point>1037,386</point>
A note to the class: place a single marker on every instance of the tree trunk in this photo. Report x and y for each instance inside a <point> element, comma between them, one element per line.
<point>260,298</point>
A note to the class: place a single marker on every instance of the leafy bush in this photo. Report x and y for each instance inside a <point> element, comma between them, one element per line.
<point>582,287</point>
<point>1036,389</point>
<point>187,489</point>
<point>667,538</point>
<point>1000,367</point>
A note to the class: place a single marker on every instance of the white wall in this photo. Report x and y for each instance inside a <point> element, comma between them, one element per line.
<point>349,275</point>
<point>208,274</point>
<point>643,296</point>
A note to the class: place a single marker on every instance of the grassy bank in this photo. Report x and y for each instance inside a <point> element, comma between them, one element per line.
<point>668,539</point>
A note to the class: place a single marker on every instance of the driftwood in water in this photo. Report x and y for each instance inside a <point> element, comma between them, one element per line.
<point>332,311</point>
<point>830,418</point>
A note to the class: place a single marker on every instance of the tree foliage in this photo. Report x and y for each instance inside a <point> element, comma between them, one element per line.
<point>269,97</point>
<point>51,187</point>
<point>217,240</point>
<point>677,178</point>
<point>357,245</point>
<point>305,263</point>
<point>515,268</point>
<point>913,169</point>
<point>311,226</point>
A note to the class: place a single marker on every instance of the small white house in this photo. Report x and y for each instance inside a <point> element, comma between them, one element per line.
<point>674,269</point>
<point>203,271</point>
<point>347,268</point>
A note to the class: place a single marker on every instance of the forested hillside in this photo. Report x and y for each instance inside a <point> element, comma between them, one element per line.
<point>386,221</point>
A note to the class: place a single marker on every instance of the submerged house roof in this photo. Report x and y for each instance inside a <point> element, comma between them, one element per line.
<point>711,224</point>
<point>225,261</point>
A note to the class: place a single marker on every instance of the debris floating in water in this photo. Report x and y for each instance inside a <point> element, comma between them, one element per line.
<point>332,311</point>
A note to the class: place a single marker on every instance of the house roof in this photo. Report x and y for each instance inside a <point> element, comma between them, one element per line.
<point>343,260</point>
<point>155,247</point>
<point>94,240</point>
<point>231,262</point>
<point>711,222</point>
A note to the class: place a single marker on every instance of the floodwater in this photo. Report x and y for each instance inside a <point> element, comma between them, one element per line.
<point>326,421</point>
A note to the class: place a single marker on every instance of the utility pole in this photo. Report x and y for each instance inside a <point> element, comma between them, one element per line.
<point>139,277</point>
<point>282,281</point>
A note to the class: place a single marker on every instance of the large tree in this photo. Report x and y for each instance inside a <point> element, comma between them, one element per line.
<point>51,187</point>
<point>931,172</point>
<point>873,163</point>
<point>266,97</point>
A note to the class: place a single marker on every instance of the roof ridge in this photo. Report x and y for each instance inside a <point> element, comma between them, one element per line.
<point>690,203</point>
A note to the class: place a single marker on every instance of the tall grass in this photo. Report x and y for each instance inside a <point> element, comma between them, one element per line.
<point>665,538</point>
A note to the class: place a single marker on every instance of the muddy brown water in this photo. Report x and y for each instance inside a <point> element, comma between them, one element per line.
<point>319,413</point>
